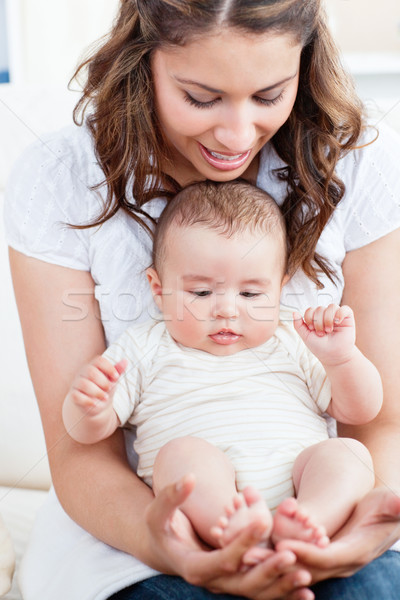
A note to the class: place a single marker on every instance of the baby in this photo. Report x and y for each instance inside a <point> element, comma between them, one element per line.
<point>228,386</point>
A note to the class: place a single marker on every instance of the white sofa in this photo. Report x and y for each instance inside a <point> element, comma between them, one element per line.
<point>24,474</point>
<point>26,113</point>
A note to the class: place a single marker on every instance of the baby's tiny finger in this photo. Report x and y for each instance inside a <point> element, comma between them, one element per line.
<point>329,317</point>
<point>83,400</point>
<point>318,320</point>
<point>91,389</point>
<point>344,312</point>
<point>309,318</point>
<point>96,375</point>
<point>121,366</point>
<point>110,371</point>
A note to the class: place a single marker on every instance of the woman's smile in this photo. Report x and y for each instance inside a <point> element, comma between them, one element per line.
<point>224,161</point>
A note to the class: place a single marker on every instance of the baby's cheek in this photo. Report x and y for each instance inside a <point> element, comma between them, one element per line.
<point>188,328</point>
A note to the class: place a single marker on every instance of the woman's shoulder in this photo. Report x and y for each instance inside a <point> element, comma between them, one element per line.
<point>378,149</point>
<point>370,207</point>
<point>50,186</point>
<point>67,151</point>
<point>376,154</point>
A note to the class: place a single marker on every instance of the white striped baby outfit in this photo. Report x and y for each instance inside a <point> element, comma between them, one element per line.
<point>260,406</point>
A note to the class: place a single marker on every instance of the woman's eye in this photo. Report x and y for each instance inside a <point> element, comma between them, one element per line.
<point>197,103</point>
<point>250,294</point>
<point>269,101</point>
<point>264,101</point>
<point>201,293</point>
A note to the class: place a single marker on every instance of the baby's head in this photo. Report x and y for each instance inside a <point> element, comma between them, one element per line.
<point>220,261</point>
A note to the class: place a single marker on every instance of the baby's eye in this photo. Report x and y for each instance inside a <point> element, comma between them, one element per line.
<point>201,293</point>
<point>250,294</point>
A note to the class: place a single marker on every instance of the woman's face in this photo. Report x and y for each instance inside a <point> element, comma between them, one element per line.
<point>220,98</point>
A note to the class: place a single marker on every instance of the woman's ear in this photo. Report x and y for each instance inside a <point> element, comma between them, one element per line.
<point>155,286</point>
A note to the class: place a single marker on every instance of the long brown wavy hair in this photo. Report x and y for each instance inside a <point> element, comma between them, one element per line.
<point>118,106</point>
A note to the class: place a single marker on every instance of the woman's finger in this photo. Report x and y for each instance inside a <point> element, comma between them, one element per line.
<point>163,507</point>
<point>270,580</point>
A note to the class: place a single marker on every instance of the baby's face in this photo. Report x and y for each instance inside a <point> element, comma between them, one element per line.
<point>218,294</point>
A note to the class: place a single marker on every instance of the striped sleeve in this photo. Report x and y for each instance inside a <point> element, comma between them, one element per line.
<point>135,346</point>
<point>314,373</point>
<point>316,377</point>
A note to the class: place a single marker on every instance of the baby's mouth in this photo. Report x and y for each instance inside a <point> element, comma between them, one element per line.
<point>225,336</point>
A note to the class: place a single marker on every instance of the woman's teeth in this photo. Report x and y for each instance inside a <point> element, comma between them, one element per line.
<point>224,162</point>
<point>224,156</point>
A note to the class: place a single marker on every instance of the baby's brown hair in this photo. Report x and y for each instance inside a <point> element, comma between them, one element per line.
<point>228,208</point>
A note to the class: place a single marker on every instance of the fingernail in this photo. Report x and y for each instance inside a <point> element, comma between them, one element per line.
<point>286,562</point>
<point>301,581</point>
<point>251,561</point>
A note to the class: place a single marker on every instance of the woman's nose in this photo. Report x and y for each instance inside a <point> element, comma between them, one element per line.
<point>236,131</point>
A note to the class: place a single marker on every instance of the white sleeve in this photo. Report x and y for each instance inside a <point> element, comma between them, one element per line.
<point>49,188</point>
<point>370,208</point>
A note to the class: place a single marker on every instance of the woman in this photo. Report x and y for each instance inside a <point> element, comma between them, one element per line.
<point>186,90</point>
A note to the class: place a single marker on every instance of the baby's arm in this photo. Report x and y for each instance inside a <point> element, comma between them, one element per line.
<point>88,412</point>
<point>329,333</point>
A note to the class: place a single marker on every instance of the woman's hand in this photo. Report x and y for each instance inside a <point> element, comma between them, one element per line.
<point>371,530</point>
<point>219,570</point>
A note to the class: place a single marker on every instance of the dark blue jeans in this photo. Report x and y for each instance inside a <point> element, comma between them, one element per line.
<point>380,579</point>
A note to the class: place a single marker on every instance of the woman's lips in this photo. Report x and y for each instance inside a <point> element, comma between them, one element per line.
<point>225,337</point>
<point>224,161</point>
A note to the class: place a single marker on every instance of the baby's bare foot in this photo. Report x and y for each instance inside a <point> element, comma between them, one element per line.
<point>246,509</point>
<point>293,522</point>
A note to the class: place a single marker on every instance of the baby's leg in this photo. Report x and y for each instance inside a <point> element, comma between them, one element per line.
<point>215,491</point>
<point>329,479</point>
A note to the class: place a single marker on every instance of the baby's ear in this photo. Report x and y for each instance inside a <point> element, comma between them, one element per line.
<point>155,286</point>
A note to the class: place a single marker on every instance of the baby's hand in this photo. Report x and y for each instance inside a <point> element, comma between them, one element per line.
<point>329,332</point>
<point>92,390</point>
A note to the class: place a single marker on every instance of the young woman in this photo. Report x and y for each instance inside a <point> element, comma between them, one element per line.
<point>182,91</point>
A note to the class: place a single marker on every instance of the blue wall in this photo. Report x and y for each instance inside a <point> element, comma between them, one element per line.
<point>4,58</point>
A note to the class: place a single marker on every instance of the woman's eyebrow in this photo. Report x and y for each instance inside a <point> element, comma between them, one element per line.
<point>216,91</point>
